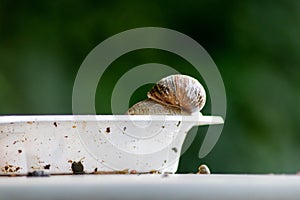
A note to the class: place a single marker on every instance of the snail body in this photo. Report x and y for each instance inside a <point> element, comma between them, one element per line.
<point>172,95</point>
<point>151,107</point>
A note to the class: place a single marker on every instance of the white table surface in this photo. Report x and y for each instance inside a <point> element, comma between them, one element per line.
<point>151,186</point>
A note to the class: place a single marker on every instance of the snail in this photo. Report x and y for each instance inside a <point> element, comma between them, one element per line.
<point>203,169</point>
<point>172,95</point>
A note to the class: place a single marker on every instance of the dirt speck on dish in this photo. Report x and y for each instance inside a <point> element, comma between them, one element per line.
<point>10,169</point>
<point>174,149</point>
<point>47,166</point>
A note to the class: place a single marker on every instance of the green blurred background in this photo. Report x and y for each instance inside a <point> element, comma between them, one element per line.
<point>255,44</point>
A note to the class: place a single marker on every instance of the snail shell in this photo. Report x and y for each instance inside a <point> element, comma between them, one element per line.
<point>203,169</point>
<point>172,95</point>
<point>179,91</point>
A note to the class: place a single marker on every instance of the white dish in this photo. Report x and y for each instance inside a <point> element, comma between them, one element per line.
<point>100,142</point>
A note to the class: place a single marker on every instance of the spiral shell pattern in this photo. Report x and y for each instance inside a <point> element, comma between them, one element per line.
<point>179,91</point>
